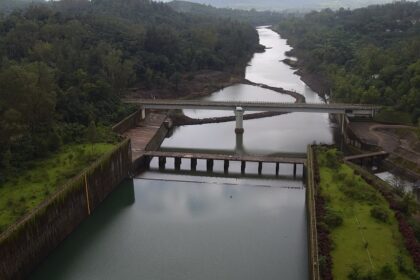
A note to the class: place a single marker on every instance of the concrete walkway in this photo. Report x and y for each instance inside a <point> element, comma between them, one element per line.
<point>143,133</point>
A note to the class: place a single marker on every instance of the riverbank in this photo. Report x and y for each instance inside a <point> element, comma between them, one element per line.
<point>192,85</point>
<point>315,81</point>
<point>360,228</point>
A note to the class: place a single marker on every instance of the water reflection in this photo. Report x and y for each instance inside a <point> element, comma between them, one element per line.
<point>285,133</point>
<point>185,230</point>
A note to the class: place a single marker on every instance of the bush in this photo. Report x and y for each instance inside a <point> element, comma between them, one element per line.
<point>380,214</point>
<point>333,219</point>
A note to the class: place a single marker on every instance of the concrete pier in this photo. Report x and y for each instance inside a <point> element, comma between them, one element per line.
<point>193,164</point>
<point>177,163</point>
<point>239,114</point>
<point>226,166</point>
<point>260,164</point>
<point>210,164</point>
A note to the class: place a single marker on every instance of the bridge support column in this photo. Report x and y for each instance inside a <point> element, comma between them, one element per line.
<point>277,168</point>
<point>193,164</point>
<point>162,162</point>
<point>226,166</point>
<point>304,173</point>
<point>239,114</point>
<point>294,170</point>
<point>343,124</point>
<point>143,113</point>
<point>177,163</point>
<point>243,166</point>
<point>260,165</point>
<point>147,160</point>
<point>210,164</point>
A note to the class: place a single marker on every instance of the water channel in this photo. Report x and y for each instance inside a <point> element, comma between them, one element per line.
<point>196,226</point>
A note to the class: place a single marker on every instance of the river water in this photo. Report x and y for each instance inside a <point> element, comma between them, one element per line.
<point>183,225</point>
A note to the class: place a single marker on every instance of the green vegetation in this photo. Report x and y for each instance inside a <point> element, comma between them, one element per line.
<point>23,192</point>
<point>368,55</point>
<point>366,241</point>
<point>64,64</point>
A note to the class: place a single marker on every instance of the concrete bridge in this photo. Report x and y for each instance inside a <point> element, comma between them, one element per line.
<point>239,107</point>
<point>210,158</point>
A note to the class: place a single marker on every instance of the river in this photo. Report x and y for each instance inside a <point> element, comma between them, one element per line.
<point>180,225</point>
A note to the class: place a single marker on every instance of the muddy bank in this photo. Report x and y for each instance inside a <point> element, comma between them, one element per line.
<point>315,81</point>
<point>202,84</point>
<point>192,85</point>
<point>299,97</point>
<point>180,119</point>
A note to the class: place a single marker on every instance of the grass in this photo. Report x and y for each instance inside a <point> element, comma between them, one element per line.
<point>20,194</point>
<point>361,240</point>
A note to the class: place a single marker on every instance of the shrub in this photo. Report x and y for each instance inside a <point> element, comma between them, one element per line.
<point>380,214</point>
<point>386,273</point>
<point>333,219</point>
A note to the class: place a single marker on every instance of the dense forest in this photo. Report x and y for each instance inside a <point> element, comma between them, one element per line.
<point>368,55</point>
<point>64,65</point>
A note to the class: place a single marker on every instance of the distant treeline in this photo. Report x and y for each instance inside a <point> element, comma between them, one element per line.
<point>368,55</point>
<point>252,16</point>
<point>65,64</point>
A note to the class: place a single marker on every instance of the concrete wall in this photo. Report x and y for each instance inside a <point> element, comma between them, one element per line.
<point>311,217</point>
<point>127,123</point>
<point>29,241</point>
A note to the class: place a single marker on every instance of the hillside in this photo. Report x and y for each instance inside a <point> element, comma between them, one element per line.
<point>64,65</point>
<point>368,55</point>
<point>251,16</point>
<point>289,4</point>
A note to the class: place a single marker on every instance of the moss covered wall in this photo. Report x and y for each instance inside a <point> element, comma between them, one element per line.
<point>29,241</point>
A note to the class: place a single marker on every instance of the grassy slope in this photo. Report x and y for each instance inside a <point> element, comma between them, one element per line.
<point>21,194</point>
<point>385,242</point>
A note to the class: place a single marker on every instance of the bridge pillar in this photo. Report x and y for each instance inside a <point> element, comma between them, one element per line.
<point>226,166</point>
<point>294,170</point>
<point>162,162</point>
<point>243,166</point>
<point>210,163</point>
<point>239,114</point>
<point>177,163</point>
<point>147,160</point>
<point>260,164</point>
<point>143,113</point>
<point>343,123</point>
<point>277,168</point>
<point>193,164</point>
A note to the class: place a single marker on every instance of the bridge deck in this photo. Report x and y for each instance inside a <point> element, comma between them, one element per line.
<point>142,134</point>
<point>255,106</point>
<point>366,155</point>
<point>248,158</point>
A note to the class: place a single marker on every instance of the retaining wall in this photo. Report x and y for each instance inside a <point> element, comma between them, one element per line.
<point>311,217</point>
<point>127,123</point>
<point>29,241</point>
